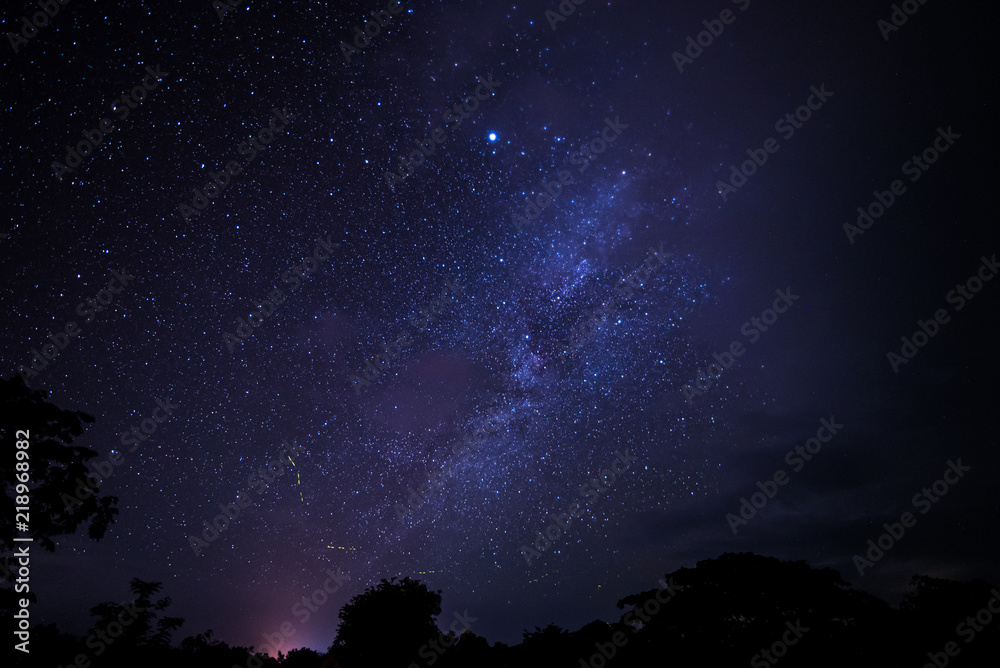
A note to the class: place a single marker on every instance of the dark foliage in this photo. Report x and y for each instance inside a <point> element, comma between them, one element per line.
<point>723,612</point>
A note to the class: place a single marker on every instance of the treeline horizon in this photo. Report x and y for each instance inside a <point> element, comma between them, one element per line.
<point>736,609</point>
<point>733,610</point>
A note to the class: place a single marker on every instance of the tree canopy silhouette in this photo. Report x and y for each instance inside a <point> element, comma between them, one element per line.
<point>724,612</point>
<point>55,465</point>
<point>125,632</point>
<point>404,613</point>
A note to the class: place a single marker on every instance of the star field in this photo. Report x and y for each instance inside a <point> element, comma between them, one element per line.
<point>499,356</point>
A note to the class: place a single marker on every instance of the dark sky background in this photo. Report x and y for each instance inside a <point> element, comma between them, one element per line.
<point>503,345</point>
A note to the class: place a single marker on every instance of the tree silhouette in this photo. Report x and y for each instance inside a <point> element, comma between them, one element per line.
<point>54,467</point>
<point>201,651</point>
<point>387,625</point>
<point>49,647</point>
<point>728,609</point>
<point>302,658</point>
<point>939,611</point>
<point>473,650</point>
<point>723,612</point>
<point>544,647</point>
<point>135,627</point>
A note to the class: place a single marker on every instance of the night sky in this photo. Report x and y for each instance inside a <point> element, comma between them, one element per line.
<point>526,347</point>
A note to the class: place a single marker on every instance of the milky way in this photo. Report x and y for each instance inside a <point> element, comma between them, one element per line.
<point>540,287</point>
